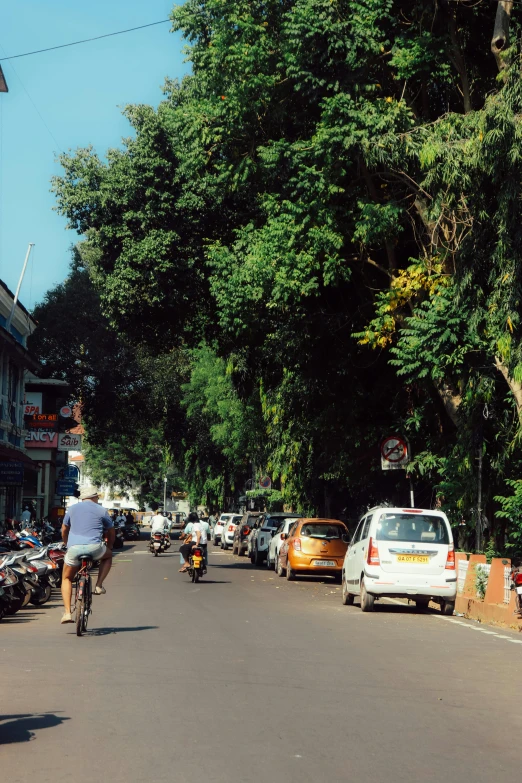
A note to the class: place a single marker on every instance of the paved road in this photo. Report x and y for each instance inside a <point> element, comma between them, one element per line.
<point>246,677</point>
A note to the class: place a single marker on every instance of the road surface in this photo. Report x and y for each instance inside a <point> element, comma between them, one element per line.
<point>246,677</point>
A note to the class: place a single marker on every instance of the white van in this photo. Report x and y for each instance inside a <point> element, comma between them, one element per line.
<point>401,552</point>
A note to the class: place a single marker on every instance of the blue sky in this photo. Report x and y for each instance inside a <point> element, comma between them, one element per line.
<point>78,92</point>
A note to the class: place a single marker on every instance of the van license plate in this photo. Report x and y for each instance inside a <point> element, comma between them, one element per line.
<point>326,563</point>
<point>413,559</point>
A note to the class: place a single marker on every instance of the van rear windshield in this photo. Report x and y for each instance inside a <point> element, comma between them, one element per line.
<point>412,527</point>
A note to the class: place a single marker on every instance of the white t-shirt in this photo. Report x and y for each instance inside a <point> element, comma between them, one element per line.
<point>157,523</point>
<point>202,527</point>
<point>120,521</point>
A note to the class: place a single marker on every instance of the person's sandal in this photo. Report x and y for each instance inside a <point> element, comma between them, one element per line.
<point>99,590</point>
<point>67,618</point>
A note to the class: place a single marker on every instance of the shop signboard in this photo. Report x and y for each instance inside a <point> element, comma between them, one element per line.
<point>69,442</point>
<point>11,474</point>
<point>66,487</point>
<point>41,439</point>
<point>32,403</point>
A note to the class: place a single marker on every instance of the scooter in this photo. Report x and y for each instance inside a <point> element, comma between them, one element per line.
<point>158,543</point>
<point>197,566</point>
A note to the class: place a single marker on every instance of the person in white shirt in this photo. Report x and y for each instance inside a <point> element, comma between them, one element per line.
<point>198,537</point>
<point>158,523</point>
<point>120,520</point>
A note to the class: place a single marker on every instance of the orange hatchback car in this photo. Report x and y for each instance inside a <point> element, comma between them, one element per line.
<point>313,546</point>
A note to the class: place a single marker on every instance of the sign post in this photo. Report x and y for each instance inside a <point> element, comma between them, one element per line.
<point>395,455</point>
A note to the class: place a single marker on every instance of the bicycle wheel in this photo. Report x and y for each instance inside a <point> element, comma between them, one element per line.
<point>80,606</point>
<point>87,602</point>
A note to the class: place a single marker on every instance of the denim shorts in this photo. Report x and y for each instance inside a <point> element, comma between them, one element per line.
<point>73,556</point>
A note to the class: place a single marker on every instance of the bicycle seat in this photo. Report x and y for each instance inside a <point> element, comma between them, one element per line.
<point>87,557</point>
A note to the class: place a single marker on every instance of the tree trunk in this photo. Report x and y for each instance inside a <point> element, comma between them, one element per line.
<point>500,40</point>
<point>516,388</point>
<point>458,59</point>
<point>451,400</point>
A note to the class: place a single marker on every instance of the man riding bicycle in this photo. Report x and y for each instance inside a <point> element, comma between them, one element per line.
<point>87,530</point>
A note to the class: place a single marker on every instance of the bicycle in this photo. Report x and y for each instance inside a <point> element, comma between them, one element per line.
<point>83,597</point>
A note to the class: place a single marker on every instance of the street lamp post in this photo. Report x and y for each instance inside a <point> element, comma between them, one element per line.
<point>164,493</point>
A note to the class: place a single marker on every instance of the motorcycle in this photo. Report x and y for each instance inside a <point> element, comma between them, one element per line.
<point>516,585</point>
<point>158,543</point>
<point>197,565</point>
<point>132,532</point>
<point>119,538</point>
<point>8,581</point>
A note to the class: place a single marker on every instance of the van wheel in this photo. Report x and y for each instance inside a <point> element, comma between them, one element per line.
<point>367,600</point>
<point>347,597</point>
<point>290,573</point>
<point>447,608</point>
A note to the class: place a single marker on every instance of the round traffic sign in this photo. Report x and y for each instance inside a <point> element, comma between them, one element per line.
<point>66,411</point>
<point>394,449</point>
<point>265,482</point>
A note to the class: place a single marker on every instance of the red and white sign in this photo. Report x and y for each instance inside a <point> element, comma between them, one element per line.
<point>41,439</point>
<point>395,453</point>
<point>66,411</point>
<point>68,442</point>
<point>32,403</point>
<point>265,482</point>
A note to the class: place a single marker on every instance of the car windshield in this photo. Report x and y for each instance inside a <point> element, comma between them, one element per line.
<point>273,522</point>
<point>412,527</point>
<point>327,532</point>
<point>236,520</point>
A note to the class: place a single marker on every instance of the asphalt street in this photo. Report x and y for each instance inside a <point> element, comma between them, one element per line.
<point>248,677</point>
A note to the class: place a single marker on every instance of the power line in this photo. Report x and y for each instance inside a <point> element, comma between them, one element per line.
<point>85,40</point>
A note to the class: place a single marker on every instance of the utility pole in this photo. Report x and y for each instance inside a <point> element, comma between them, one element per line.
<point>478,527</point>
<point>15,300</point>
<point>164,493</point>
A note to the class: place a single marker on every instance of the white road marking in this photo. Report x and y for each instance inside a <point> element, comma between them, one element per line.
<point>476,628</point>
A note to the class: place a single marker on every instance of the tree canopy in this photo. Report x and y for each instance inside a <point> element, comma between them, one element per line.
<point>322,223</point>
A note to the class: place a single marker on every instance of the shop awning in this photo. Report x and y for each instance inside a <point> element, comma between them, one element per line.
<point>13,455</point>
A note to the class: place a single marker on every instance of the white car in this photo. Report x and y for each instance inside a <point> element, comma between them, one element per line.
<point>401,552</point>
<point>272,555</point>
<point>229,527</point>
<point>217,532</point>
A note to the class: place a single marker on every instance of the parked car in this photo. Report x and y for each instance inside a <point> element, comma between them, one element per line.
<point>261,535</point>
<point>315,546</point>
<point>282,532</point>
<point>401,552</point>
<point>229,527</point>
<point>243,531</point>
<point>217,531</point>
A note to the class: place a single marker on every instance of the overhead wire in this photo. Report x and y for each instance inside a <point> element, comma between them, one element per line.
<point>84,40</point>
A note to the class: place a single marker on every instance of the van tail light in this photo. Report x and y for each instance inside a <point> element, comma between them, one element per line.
<point>231,528</point>
<point>373,554</point>
<point>297,545</point>
<point>450,562</point>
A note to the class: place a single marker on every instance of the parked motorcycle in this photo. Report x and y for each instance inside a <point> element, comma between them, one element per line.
<point>197,565</point>
<point>516,585</point>
<point>8,581</point>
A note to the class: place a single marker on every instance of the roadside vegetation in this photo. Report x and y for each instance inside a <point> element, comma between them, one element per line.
<point>313,242</point>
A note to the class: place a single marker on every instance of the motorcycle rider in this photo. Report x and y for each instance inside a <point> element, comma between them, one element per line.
<point>198,537</point>
<point>158,523</point>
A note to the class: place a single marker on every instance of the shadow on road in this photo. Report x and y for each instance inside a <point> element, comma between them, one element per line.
<point>108,631</point>
<point>21,728</point>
